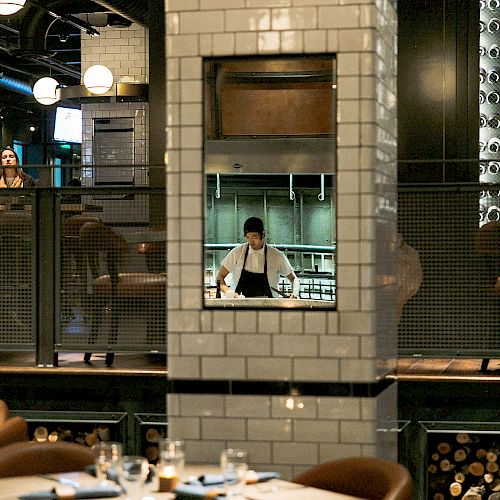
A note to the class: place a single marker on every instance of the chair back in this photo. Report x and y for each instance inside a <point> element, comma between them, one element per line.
<point>96,238</point>
<point>12,429</point>
<point>30,458</point>
<point>364,477</point>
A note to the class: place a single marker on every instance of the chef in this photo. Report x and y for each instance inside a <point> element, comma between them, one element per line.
<point>255,266</point>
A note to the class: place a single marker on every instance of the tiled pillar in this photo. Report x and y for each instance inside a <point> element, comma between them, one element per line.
<point>125,52</point>
<point>232,372</point>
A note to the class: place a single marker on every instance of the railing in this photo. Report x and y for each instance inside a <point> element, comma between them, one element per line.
<point>51,300</point>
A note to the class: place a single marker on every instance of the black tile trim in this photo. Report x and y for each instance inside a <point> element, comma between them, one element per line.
<point>278,388</point>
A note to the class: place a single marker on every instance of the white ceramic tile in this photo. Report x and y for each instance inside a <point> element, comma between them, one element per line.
<point>182,45</point>
<point>268,41</point>
<point>339,408</point>
<point>356,323</point>
<point>294,406</point>
<point>202,343</point>
<point>190,275</point>
<point>184,427</point>
<point>183,367</point>
<point>348,64</point>
<point>248,19</point>
<point>332,451</point>
<point>295,345</point>
<point>360,370</point>
<point>174,343</point>
<point>259,452</point>
<point>332,323</point>
<point>206,321</point>
<point>357,40</point>
<point>348,253</point>
<point>202,405</point>
<point>190,298</point>
<point>269,369</point>
<point>294,19</point>
<point>191,229</point>
<point>315,322</point>
<point>348,299</point>
<point>292,322</point>
<point>246,321</point>
<point>204,452</point>
<point>295,453</point>
<point>201,22</point>
<point>222,4</point>
<point>268,321</point>
<point>332,40</point>
<point>339,16</point>
<point>191,68</point>
<point>205,42</point>
<point>183,322</point>
<point>314,369</point>
<point>320,431</point>
<point>369,408</point>
<point>190,206</point>
<point>272,430</point>
<point>191,114</point>
<point>191,137</point>
<point>223,44</point>
<point>357,432</point>
<point>224,368</point>
<point>291,41</point>
<point>171,5</point>
<point>348,111</point>
<point>348,87</point>
<point>223,321</point>
<point>223,428</point>
<point>248,345</point>
<point>315,41</point>
<point>248,406</point>
<point>340,346</point>
<point>268,3</point>
<point>246,43</point>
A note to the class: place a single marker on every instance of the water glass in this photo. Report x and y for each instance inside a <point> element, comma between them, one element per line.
<point>135,473</point>
<point>171,464</point>
<point>108,460</point>
<point>234,467</point>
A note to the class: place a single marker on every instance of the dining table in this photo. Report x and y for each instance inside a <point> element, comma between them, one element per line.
<point>275,489</point>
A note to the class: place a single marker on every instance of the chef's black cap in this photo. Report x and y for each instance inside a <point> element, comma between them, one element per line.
<point>253,225</point>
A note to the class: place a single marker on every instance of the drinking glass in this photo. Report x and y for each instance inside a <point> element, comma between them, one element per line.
<point>171,463</point>
<point>107,459</point>
<point>135,472</point>
<point>234,467</point>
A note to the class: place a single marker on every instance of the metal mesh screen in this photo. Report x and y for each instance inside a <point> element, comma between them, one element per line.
<point>112,277</point>
<point>456,310</point>
<point>16,266</point>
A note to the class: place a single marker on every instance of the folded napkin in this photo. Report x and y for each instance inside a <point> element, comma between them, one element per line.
<point>197,492</point>
<point>252,477</point>
<point>97,491</point>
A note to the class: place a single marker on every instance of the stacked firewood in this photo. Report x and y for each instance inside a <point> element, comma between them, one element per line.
<point>98,433</point>
<point>465,467</point>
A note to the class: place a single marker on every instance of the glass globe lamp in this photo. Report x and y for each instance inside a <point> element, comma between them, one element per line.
<point>44,91</point>
<point>98,79</point>
<point>8,7</point>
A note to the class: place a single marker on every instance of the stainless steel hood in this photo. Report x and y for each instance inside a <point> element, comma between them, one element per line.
<point>291,155</point>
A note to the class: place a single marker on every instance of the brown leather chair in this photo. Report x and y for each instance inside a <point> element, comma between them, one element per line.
<point>30,458</point>
<point>118,289</point>
<point>12,429</point>
<point>364,477</point>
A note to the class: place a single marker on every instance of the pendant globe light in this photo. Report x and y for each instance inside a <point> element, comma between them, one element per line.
<point>98,79</point>
<point>8,7</point>
<point>44,91</point>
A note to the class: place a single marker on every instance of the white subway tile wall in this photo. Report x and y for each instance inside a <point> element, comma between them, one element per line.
<point>283,433</point>
<point>356,343</point>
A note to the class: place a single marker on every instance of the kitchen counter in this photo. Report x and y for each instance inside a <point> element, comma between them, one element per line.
<point>278,303</point>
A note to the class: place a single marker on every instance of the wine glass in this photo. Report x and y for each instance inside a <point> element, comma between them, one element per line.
<point>107,459</point>
<point>234,467</point>
<point>135,470</point>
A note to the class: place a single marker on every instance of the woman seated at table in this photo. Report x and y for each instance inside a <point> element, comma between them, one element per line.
<point>12,175</point>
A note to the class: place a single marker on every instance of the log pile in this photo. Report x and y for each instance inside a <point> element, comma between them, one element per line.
<point>463,466</point>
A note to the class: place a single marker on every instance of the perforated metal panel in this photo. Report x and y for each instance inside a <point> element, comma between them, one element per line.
<point>16,268</point>
<point>455,311</point>
<point>113,279</point>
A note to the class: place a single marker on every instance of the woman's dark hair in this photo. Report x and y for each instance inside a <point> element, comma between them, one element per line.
<point>19,170</point>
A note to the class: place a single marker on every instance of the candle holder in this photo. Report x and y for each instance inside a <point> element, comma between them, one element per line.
<point>171,464</point>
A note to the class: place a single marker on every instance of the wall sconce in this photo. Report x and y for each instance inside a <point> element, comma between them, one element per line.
<point>8,7</point>
<point>44,91</point>
<point>98,79</point>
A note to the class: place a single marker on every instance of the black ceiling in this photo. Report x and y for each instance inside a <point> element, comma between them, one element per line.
<point>43,39</point>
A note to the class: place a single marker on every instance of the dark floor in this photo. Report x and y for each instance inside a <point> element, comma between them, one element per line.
<point>446,369</point>
<point>124,363</point>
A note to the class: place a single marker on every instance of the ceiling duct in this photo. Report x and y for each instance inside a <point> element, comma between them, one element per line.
<point>136,11</point>
<point>15,85</point>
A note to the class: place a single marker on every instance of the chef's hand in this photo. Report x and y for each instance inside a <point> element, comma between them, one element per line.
<point>292,296</point>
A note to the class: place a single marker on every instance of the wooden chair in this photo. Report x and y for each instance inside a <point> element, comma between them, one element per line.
<point>118,289</point>
<point>30,458</point>
<point>364,477</point>
<point>12,429</point>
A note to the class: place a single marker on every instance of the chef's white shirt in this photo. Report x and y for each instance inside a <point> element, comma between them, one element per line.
<point>277,265</point>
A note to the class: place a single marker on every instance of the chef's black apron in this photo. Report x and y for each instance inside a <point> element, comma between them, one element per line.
<point>254,284</point>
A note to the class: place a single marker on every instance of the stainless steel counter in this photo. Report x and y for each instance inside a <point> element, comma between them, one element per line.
<point>278,303</point>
